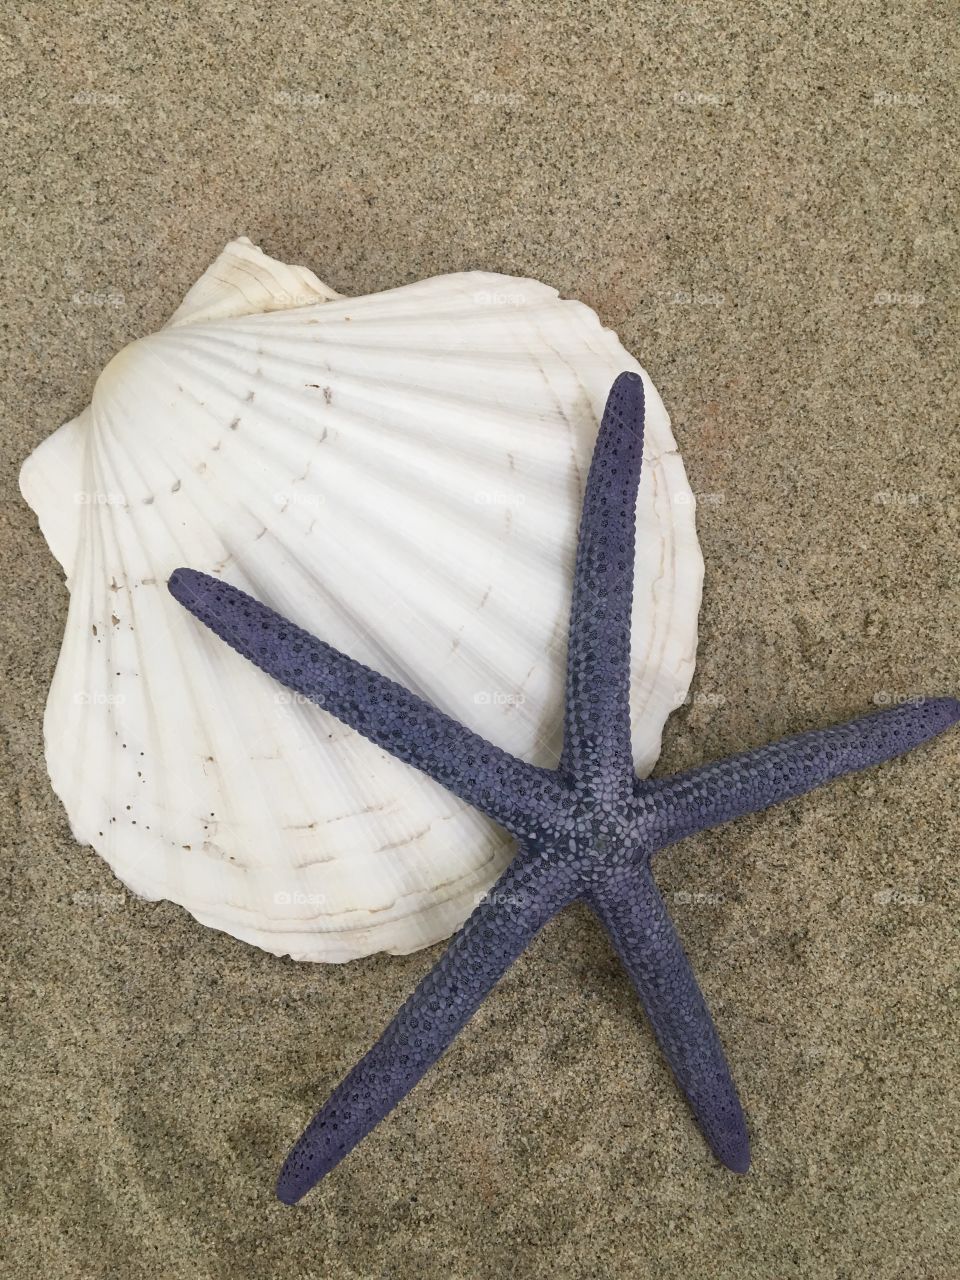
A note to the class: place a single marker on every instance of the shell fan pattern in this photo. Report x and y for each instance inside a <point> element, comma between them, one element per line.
<point>401,474</point>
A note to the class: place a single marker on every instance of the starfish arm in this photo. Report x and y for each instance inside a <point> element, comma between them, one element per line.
<point>503,924</point>
<point>597,721</point>
<point>492,780</point>
<point>741,784</point>
<point>634,914</point>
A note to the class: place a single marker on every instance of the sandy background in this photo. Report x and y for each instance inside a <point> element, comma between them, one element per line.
<point>765,207</point>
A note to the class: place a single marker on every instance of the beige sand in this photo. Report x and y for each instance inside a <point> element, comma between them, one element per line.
<point>764,206</point>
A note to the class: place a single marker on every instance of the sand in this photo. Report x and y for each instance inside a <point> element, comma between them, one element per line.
<point>763,203</point>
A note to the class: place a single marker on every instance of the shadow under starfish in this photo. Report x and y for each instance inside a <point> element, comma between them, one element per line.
<point>587,830</point>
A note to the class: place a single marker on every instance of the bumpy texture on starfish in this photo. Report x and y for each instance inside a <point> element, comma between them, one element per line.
<point>587,830</point>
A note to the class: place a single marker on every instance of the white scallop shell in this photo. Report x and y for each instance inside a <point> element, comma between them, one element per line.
<point>402,475</point>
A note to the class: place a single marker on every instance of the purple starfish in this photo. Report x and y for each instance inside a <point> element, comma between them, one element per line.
<point>587,830</point>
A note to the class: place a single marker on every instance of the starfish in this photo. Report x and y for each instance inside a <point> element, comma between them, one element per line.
<point>585,831</point>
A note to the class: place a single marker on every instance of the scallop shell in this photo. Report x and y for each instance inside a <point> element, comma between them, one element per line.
<point>399,473</point>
